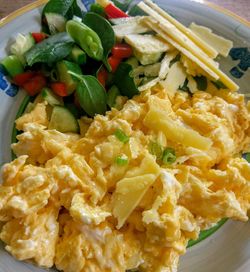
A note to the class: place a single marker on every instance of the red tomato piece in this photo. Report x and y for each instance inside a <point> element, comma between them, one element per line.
<point>114,63</point>
<point>59,88</point>
<point>102,76</point>
<point>122,51</point>
<point>39,36</point>
<point>35,85</point>
<point>23,78</point>
<point>114,12</point>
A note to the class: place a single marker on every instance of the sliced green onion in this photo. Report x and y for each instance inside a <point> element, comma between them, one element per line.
<point>121,160</point>
<point>13,65</point>
<point>169,156</point>
<point>121,136</point>
<point>98,9</point>
<point>155,149</point>
<point>219,85</point>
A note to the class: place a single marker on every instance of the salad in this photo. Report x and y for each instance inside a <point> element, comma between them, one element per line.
<point>131,146</point>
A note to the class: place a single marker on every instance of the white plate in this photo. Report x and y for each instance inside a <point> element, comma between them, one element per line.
<point>228,250</point>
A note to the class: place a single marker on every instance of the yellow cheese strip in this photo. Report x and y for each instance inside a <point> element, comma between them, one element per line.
<point>210,51</point>
<point>175,131</point>
<point>187,49</point>
<point>220,44</point>
<point>183,50</point>
<point>128,194</point>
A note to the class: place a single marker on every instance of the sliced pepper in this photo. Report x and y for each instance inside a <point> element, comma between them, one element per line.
<point>113,12</point>
<point>21,79</point>
<point>122,51</point>
<point>35,85</point>
<point>39,36</point>
<point>114,63</point>
<point>102,76</point>
<point>59,88</point>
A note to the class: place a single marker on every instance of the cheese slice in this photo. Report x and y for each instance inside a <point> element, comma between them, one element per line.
<point>175,78</point>
<point>206,47</point>
<point>183,50</point>
<point>148,85</point>
<point>129,27</point>
<point>128,194</point>
<point>220,44</point>
<point>165,63</point>
<point>207,64</point>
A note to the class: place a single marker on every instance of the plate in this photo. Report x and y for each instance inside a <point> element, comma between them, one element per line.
<point>228,249</point>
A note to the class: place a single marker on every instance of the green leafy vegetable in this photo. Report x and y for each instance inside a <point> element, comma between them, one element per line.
<point>97,8</point>
<point>219,85</point>
<point>50,50</point>
<point>74,10</point>
<point>124,81</point>
<point>123,5</point>
<point>86,38</point>
<point>121,160</point>
<point>58,6</point>
<point>247,156</point>
<point>91,94</point>
<point>177,58</point>
<point>105,32</point>
<point>136,11</point>
<point>169,156</point>
<point>201,82</point>
<point>155,149</point>
<point>121,136</point>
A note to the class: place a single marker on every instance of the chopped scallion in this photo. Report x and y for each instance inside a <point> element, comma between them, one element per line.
<point>169,156</point>
<point>121,136</point>
<point>155,149</point>
<point>247,156</point>
<point>121,160</point>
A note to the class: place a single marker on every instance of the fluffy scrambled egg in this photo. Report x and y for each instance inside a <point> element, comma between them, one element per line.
<point>66,201</point>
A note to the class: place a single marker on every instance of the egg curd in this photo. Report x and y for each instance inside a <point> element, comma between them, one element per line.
<point>67,200</point>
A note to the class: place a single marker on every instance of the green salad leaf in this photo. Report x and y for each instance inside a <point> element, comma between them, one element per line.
<point>58,6</point>
<point>201,82</point>
<point>91,94</point>
<point>50,50</point>
<point>124,81</point>
<point>105,32</point>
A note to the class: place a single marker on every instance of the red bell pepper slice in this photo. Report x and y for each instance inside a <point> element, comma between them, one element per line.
<point>59,88</point>
<point>102,76</point>
<point>122,51</point>
<point>21,79</point>
<point>34,85</point>
<point>39,36</point>
<point>114,63</point>
<point>114,12</point>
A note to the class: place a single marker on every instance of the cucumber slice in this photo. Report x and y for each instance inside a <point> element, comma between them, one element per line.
<point>51,98</point>
<point>12,65</point>
<point>56,22</point>
<point>63,120</point>
<point>22,45</point>
<point>78,56</point>
<point>63,68</point>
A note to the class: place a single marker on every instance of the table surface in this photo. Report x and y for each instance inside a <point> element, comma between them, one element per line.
<point>240,7</point>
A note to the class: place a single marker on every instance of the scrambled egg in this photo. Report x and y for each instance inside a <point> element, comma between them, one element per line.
<point>66,201</point>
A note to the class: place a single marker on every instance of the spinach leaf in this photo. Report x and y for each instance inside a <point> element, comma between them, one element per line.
<point>136,11</point>
<point>74,10</point>
<point>50,50</point>
<point>105,32</point>
<point>124,81</point>
<point>91,94</point>
<point>123,5</point>
<point>58,6</point>
<point>201,82</point>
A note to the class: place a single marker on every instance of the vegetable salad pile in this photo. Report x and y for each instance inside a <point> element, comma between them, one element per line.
<point>75,62</point>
